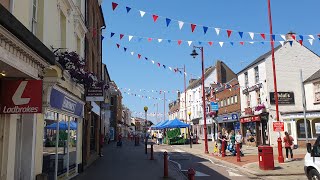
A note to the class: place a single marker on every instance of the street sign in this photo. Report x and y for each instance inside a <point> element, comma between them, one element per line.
<point>214,106</point>
<point>278,126</point>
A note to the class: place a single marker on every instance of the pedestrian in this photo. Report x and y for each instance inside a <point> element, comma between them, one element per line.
<point>219,142</point>
<point>160,138</point>
<point>239,140</point>
<point>101,142</point>
<point>288,144</point>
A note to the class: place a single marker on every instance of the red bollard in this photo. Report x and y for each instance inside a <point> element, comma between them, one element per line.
<point>191,174</point>
<point>238,152</point>
<point>165,164</point>
<point>280,156</point>
<point>151,158</point>
<point>223,149</point>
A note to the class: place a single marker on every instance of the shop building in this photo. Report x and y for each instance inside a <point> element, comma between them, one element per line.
<point>257,88</point>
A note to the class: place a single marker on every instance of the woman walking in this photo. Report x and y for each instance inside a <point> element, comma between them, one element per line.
<point>288,144</point>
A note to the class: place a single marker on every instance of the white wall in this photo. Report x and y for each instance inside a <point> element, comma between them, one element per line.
<point>310,99</point>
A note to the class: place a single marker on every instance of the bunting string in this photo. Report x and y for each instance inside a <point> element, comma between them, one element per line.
<point>145,97</point>
<point>193,26</point>
<point>150,91</point>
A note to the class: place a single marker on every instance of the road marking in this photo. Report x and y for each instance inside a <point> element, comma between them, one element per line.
<point>178,150</point>
<point>221,165</point>
<point>200,174</point>
<point>234,174</point>
<point>162,150</point>
<point>179,165</point>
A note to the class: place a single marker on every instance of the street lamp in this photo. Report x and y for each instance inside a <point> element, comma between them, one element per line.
<point>190,139</point>
<point>145,129</point>
<point>194,55</point>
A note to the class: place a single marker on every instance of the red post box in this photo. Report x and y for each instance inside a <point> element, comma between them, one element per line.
<point>266,160</point>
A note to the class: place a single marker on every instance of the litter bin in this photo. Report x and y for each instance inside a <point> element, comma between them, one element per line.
<point>266,160</point>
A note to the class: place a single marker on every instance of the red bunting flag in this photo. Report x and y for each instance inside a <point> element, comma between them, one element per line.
<point>193,26</point>
<point>114,5</point>
<point>159,64</point>
<point>179,42</point>
<point>242,43</point>
<point>263,35</point>
<point>210,43</point>
<point>139,56</point>
<point>318,35</point>
<point>149,39</point>
<point>118,45</point>
<point>121,36</point>
<point>301,41</point>
<point>155,17</point>
<point>293,36</point>
<point>229,33</point>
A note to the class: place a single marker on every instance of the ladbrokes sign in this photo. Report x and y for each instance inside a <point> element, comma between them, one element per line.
<point>20,97</point>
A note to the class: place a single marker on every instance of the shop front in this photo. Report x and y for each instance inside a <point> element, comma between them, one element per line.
<point>211,128</point>
<point>62,135</point>
<point>255,129</point>
<point>229,122</point>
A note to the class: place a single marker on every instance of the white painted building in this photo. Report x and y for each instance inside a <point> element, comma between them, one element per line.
<point>257,89</point>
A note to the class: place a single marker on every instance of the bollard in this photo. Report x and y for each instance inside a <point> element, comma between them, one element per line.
<point>146,146</point>
<point>151,158</point>
<point>223,149</point>
<point>238,152</point>
<point>280,156</point>
<point>191,174</point>
<point>165,164</point>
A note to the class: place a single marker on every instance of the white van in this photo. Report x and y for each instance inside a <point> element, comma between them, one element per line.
<point>312,161</point>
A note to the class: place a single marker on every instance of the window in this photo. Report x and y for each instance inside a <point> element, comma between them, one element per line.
<point>232,100</point>
<point>235,99</point>
<point>317,92</point>
<point>246,79</point>
<point>301,129</point>
<point>63,30</point>
<point>228,101</point>
<point>224,102</point>
<point>248,100</point>
<point>258,97</point>
<point>34,16</point>
<point>79,45</point>
<point>256,74</point>
<point>221,103</point>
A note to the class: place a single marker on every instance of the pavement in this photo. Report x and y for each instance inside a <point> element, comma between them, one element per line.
<point>129,162</point>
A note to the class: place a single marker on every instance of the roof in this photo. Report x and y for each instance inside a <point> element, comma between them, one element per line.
<point>13,25</point>
<point>259,59</point>
<point>314,76</point>
<point>198,81</point>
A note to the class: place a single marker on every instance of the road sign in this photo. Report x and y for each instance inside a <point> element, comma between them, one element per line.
<point>278,126</point>
<point>214,106</point>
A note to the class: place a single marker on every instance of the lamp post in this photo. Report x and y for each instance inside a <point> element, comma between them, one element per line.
<point>194,55</point>
<point>145,129</point>
<point>190,139</point>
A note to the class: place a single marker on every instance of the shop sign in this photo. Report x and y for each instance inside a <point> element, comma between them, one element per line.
<point>228,118</point>
<point>94,93</point>
<point>21,97</point>
<point>248,111</point>
<point>278,126</point>
<point>283,98</point>
<point>62,102</point>
<point>250,119</point>
<point>214,106</point>
<point>317,127</point>
<point>252,88</point>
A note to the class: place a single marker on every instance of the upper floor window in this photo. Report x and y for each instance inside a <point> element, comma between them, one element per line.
<point>228,101</point>
<point>246,79</point>
<point>317,92</point>
<point>34,16</point>
<point>235,99</point>
<point>248,100</point>
<point>258,96</point>
<point>232,100</point>
<point>256,74</point>
<point>224,102</point>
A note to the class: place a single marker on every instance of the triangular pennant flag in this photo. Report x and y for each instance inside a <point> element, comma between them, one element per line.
<point>200,42</point>
<point>217,31</point>
<point>112,34</point>
<point>159,40</point>
<point>125,49</point>
<point>242,43</point>
<point>293,36</point>
<point>273,37</point>
<point>291,42</point>
<point>114,5</point>
<point>301,41</point>
<point>121,36</point>
<point>241,34</point>
<point>139,56</point>
<point>189,42</point>
<point>231,43</point>
<point>210,43</point>
<point>168,21</point>
<point>169,41</point>
<point>205,29</point>
<point>221,43</point>
<point>310,41</point>
<point>149,39</point>
<point>251,42</point>
<point>179,42</point>
<point>262,42</point>
<point>263,35</point>
<point>142,13</point>
<point>251,35</point>
<point>193,26</point>
<point>318,35</point>
<point>132,53</point>
<point>281,42</point>
<point>164,66</point>
<point>155,17</point>
<point>130,37</point>
<point>159,64</point>
<point>283,37</point>
<point>311,36</point>
<point>229,32</point>
<point>128,9</point>
<point>152,61</point>
<point>301,37</point>
<point>180,24</point>
<point>146,58</point>
<point>170,68</point>
<point>102,37</point>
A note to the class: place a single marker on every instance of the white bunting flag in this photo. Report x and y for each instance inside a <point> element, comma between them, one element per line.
<point>152,62</point>
<point>310,41</point>
<point>185,73</point>
<point>180,24</point>
<point>221,43</point>
<point>281,42</point>
<point>132,53</point>
<point>130,37</point>
<point>142,13</point>
<point>217,30</point>
<point>251,35</point>
<point>170,68</point>
<point>159,40</point>
<point>311,36</point>
<point>189,42</point>
<point>251,42</point>
<point>283,37</point>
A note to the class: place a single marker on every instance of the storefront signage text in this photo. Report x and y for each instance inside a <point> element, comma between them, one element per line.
<point>252,88</point>
<point>283,98</point>
<point>21,97</point>
<point>214,106</point>
<point>278,126</point>
<point>95,93</point>
<point>250,119</point>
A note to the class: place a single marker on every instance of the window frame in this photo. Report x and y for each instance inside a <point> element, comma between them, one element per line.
<point>256,74</point>
<point>246,79</point>
<point>316,91</point>
<point>34,16</point>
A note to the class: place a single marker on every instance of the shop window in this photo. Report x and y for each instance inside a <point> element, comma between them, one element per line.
<point>315,125</point>
<point>301,129</point>
<point>317,92</point>
<point>289,128</point>
<point>251,126</point>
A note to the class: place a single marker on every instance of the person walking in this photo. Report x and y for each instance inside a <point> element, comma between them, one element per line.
<point>160,138</point>
<point>288,144</point>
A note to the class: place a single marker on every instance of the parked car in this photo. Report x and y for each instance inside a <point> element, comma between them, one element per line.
<point>312,160</point>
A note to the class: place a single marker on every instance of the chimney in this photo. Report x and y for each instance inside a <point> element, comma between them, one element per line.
<point>289,36</point>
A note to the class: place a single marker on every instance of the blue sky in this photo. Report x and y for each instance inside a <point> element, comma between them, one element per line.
<point>245,16</point>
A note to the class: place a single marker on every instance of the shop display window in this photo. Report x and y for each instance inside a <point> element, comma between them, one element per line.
<point>301,129</point>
